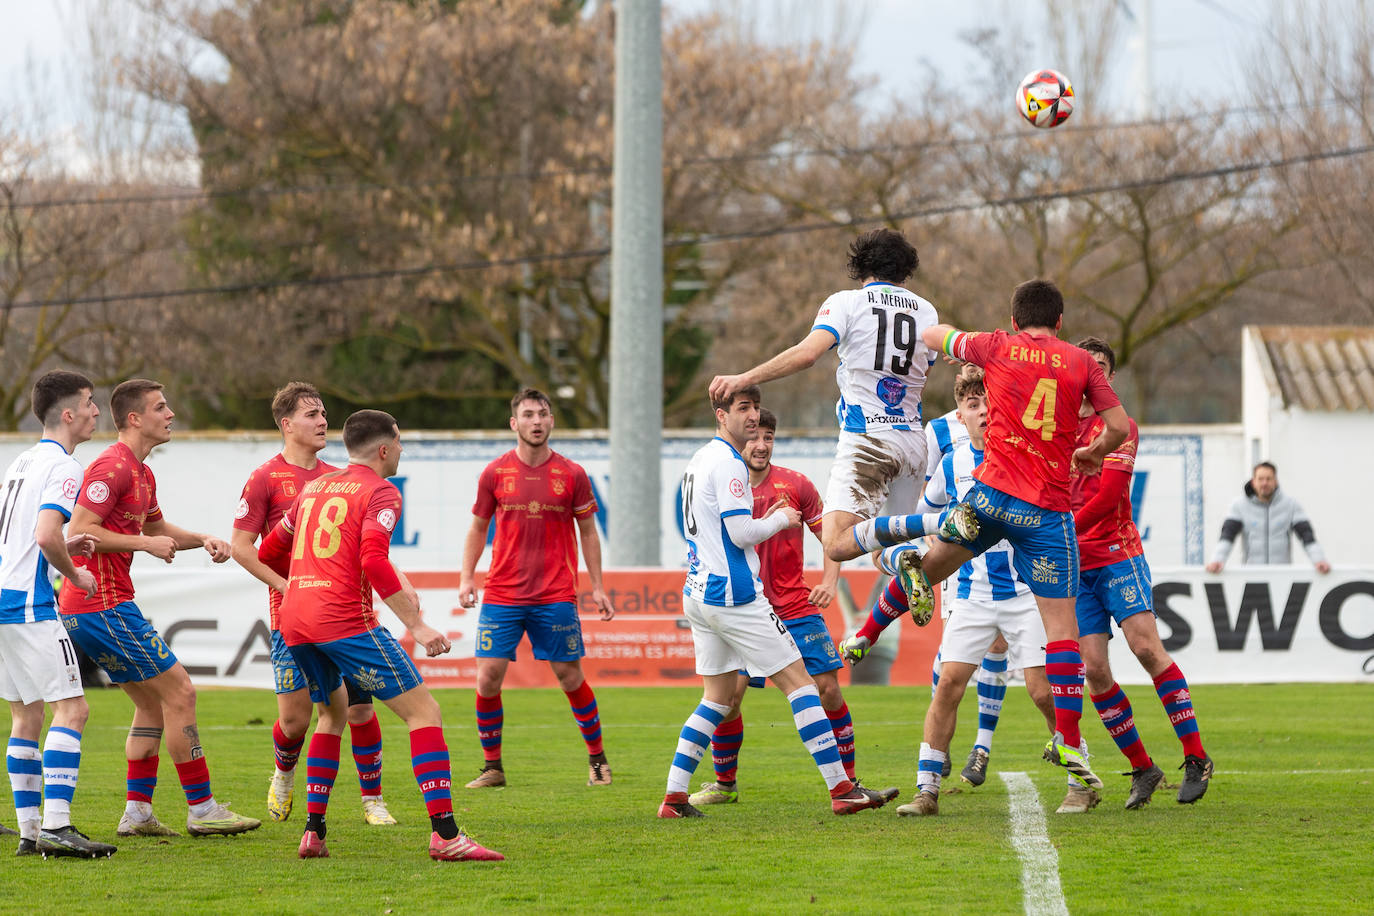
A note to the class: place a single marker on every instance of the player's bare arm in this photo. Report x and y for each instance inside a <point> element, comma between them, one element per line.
<point>824,592</point>
<point>473,546</point>
<point>84,521</point>
<point>405,604</point>
<point>81,545</point>
<point>53,543</point>
<point>934,337</point>
<point>217,548</point>
<point>591,555</point>
<point>243,546</point>
<point>1088,459</point>
<point>794,359</point>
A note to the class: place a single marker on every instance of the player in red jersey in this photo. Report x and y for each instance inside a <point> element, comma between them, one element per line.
<point>538,498</point>
<point>337,536</point>
<point>1115,585</point>
<point>298,411</point>
<point>781,559</point>
<point>118,505</point>
<point>1035,384</point>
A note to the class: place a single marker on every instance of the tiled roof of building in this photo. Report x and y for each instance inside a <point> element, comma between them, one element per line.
<point>1322,368</point>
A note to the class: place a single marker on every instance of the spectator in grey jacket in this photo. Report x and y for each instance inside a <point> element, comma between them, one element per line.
<point>1267,519</point>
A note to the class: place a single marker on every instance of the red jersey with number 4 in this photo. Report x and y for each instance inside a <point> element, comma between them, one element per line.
<point>1115,536</point>
<point>534,556</point>
<point>327,595</point>
<point>1035,385</point>
<point>121,491</point>
<point>269,492</point>
<point>781,557</point>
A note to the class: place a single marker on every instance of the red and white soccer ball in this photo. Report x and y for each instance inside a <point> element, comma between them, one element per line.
<point>1045,98</point>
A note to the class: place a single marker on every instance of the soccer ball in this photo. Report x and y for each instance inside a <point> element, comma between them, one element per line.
<point>1045,98</point>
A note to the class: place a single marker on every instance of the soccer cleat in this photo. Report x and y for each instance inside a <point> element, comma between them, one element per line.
<point>220,822</point>
<point>854,649</point>
<point>375,812</point>
<point>887,794</point>
<point>68,841</point>
<point>925,804</point>
<point>1079,800</point>
<point>857,799</point>
<point>280,793</point>
<point>713,793</point>
<point>8,831</point>
<point>960,524</point>
<point>1070,759</point>
<point>461,848</point>
<point>946,767</point>
<point>677,804</point>
<point>1143,785</point>
<point>312,846</point>
<point>599,774</point>
<point>975,771</point>
<point>920,597</point>
<point>27,847</point>
<point>1197,773</point>
<point>489,778</point>
<point>151,827</point>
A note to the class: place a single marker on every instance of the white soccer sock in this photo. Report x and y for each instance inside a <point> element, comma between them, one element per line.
<point>887,559</point>
<point>888,530</point>
<point>693,742</point>
<point>814,727</point>
<point>61,761</point>
<point>929,766</point>
<point>139,810</point>
<point>25,765</point>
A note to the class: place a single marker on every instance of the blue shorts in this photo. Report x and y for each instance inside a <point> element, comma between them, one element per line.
<point>1113,592</point>
<point>817,648</point>
<point>373,661</point>
<point>1045,545</point>
<point>121,642</point>
<point>288,677</point>
<point>555,634</point>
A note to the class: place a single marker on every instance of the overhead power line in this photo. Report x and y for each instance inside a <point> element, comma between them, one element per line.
<point>706,238</point>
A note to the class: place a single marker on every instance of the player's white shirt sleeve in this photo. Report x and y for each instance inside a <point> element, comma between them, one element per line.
<point>720,571</point>
<point>936,494</point>
<point>43,477</point>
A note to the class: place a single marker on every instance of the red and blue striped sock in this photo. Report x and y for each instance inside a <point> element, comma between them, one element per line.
<point>490,718</point>
<point>1064,670</point>
<point>321,768</point>
<point>583,703</point>
<point>288,752</point>
<point>1172,688</point>
<point>1115,710</point>
<point>843,727</point>
<point>433,772</point>
<point>142,780</point>
<point>195,781</point>
<point>725,745</point>
<point>890,605</point>
<point>367,754</point>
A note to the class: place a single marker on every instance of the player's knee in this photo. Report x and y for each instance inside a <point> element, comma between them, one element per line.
<point>360,713</point>
<point>70,713</point>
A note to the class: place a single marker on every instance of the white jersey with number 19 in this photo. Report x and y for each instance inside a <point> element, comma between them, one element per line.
<point>43,477</point>
<point>883,360</point>
<point>715,487</point>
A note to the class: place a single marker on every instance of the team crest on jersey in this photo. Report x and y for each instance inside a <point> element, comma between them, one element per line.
<point>369,680</point>
<point>69,488</point>
<point>288,489</point>
<point>387,519</point>
<point>1129,594</point>
<point>559,486</point>
<point>891,391</point>
<point>242,510</point>
<point>98,491</point>
<point>508,485</point>
<point>736,488</point>
<point>1045,570</point>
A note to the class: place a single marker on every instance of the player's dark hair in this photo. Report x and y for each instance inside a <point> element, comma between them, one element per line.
<point>529,394</point>
<point>748,392</point>
<point>1037,304</point>
<point>365,428</point>
<point>883,254</point>
<point>128,397</point>
<point>768,420</point>
<point>285,401</point>
<point>1098,345</point>
<point>968,381</point>
<point>52,389</point>
<point>1264,464</point>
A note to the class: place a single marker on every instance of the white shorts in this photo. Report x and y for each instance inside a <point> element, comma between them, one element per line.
<point>37,662</point>
<point>866,465</point>
<point>744,637</point>
<point>973,626</point>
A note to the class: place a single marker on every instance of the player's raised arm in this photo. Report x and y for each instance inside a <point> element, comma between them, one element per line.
<point>794,359</point>
<point>942,338</point>
<point>1118,424</point>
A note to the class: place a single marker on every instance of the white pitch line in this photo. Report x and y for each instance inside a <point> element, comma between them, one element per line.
<point>1030,838</point>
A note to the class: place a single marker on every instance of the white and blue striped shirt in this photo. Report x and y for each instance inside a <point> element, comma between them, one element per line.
<point>990,575</point>
<point>943,435</point>
<point>43,477</point>
<point>714,488</point>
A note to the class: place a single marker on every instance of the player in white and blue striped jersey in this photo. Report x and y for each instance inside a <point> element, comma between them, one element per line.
<point>733,626</point>
<point>38,664</point>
